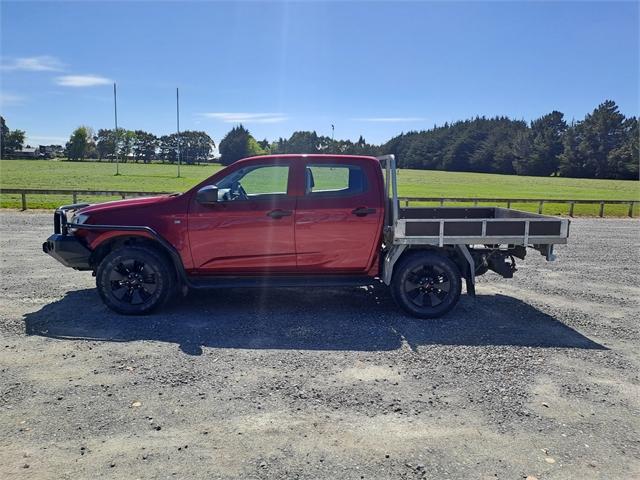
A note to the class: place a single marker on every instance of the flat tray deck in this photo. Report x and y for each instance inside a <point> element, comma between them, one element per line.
<point>478,225</point>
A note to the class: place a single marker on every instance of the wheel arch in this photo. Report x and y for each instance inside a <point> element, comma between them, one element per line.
<point>142,239</point>
<point>399,252</point>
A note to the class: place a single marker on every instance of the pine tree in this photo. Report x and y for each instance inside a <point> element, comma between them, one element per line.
<point>237,144</point>
<point>601,132</point>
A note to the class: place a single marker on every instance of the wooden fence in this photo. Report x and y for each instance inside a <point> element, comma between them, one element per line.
<point>74,194</point>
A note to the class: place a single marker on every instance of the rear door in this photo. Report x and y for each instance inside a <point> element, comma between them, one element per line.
<point>251,228</point>
<point>338,217</point>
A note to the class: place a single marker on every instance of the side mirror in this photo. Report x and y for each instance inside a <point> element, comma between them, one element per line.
<point>207,195</point>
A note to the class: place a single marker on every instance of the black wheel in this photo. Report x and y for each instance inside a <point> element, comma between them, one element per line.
<point>134,280</point>
<point>426,284</point>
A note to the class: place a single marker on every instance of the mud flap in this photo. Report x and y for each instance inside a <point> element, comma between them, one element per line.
<point>469,270</point>
<point>471,287</point>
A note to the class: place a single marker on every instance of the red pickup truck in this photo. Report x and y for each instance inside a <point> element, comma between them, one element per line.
<point>294,220</point>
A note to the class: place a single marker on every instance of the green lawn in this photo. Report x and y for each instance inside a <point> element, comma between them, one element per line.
<point>47,174</point>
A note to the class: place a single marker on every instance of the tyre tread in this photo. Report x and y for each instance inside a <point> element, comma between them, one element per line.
<point>432,258</point>
<point>167,286</point>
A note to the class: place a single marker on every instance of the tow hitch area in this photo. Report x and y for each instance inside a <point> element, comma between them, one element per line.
<point>502,263</point>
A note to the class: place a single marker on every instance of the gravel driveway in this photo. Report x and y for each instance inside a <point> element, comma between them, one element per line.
<point>538,377</point>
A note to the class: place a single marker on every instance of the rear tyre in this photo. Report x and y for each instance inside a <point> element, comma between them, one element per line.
<point>426,284</point>
<point>134,280</point>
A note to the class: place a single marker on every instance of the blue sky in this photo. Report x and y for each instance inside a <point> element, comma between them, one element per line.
<point>374,69</point>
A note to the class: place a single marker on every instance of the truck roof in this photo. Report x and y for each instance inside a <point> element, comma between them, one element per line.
<point>338,157</point>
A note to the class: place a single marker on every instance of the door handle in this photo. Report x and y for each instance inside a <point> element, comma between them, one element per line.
<point>279,213</point>
<point>363,211</point>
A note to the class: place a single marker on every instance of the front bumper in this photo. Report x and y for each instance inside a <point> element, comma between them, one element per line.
<point>68,250</point>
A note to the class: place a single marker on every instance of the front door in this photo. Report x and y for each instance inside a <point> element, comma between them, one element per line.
<point>251,228</point>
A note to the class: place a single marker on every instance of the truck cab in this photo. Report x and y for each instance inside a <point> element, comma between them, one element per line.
<point>290,215</point>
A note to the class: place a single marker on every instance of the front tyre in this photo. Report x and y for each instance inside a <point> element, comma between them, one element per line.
<point>426,284</point>
<point>134,280</point>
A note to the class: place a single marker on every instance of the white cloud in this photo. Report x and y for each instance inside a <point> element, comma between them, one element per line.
<point>9,100</point>
<point>43,63</point>
<point>239,117</point>
<point>389,119</point>
<point>45,139</point>
<point>82,80</point>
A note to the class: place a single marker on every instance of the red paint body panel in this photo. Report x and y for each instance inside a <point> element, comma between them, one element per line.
<point>166,214</point>
<point>321,236</point>
<point>329,237</point>
<point>239,237</point>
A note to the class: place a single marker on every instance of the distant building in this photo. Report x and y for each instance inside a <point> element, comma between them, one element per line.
<point>40,152</point>
<point>27,152</point>
<point>51,151</point>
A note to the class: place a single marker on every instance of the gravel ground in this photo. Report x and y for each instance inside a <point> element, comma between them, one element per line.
<point>538,377</point>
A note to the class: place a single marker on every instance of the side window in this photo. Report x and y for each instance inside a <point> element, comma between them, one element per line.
<point>331,180</point>
<point>252,182</point>
<point>266,180</point>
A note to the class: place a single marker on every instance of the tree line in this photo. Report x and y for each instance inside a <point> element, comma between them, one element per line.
<point>239,143</point>
<point>10,140</point>
<point>604,144</point>
<point>139,146</point>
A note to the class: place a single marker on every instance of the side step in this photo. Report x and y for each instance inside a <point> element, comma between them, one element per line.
<point>202,282</point>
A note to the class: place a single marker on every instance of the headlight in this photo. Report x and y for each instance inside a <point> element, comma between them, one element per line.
<point>79,219</point>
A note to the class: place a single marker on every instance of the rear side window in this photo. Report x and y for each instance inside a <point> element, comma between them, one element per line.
<point>334,180</point>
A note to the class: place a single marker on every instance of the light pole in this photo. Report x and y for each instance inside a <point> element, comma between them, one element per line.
<point>178,125</point>
<point>332,142</point>
<point>115,112</point>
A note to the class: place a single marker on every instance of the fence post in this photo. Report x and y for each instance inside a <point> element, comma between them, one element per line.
<point>571,205</point>
<point>122,196</point>
<point>442,202</point>
<point>406,203</point>
<point>631,209</point>
<point>475,202</point>
<point>24,201</point>
<point>601,209</point>
<point>509,204</point>
<point>75,197</point>
<point>540,205</point>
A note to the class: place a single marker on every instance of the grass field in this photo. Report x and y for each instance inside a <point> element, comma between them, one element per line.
<point>46,174</point>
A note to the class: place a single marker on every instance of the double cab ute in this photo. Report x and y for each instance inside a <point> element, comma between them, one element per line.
<point>294,220</point>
